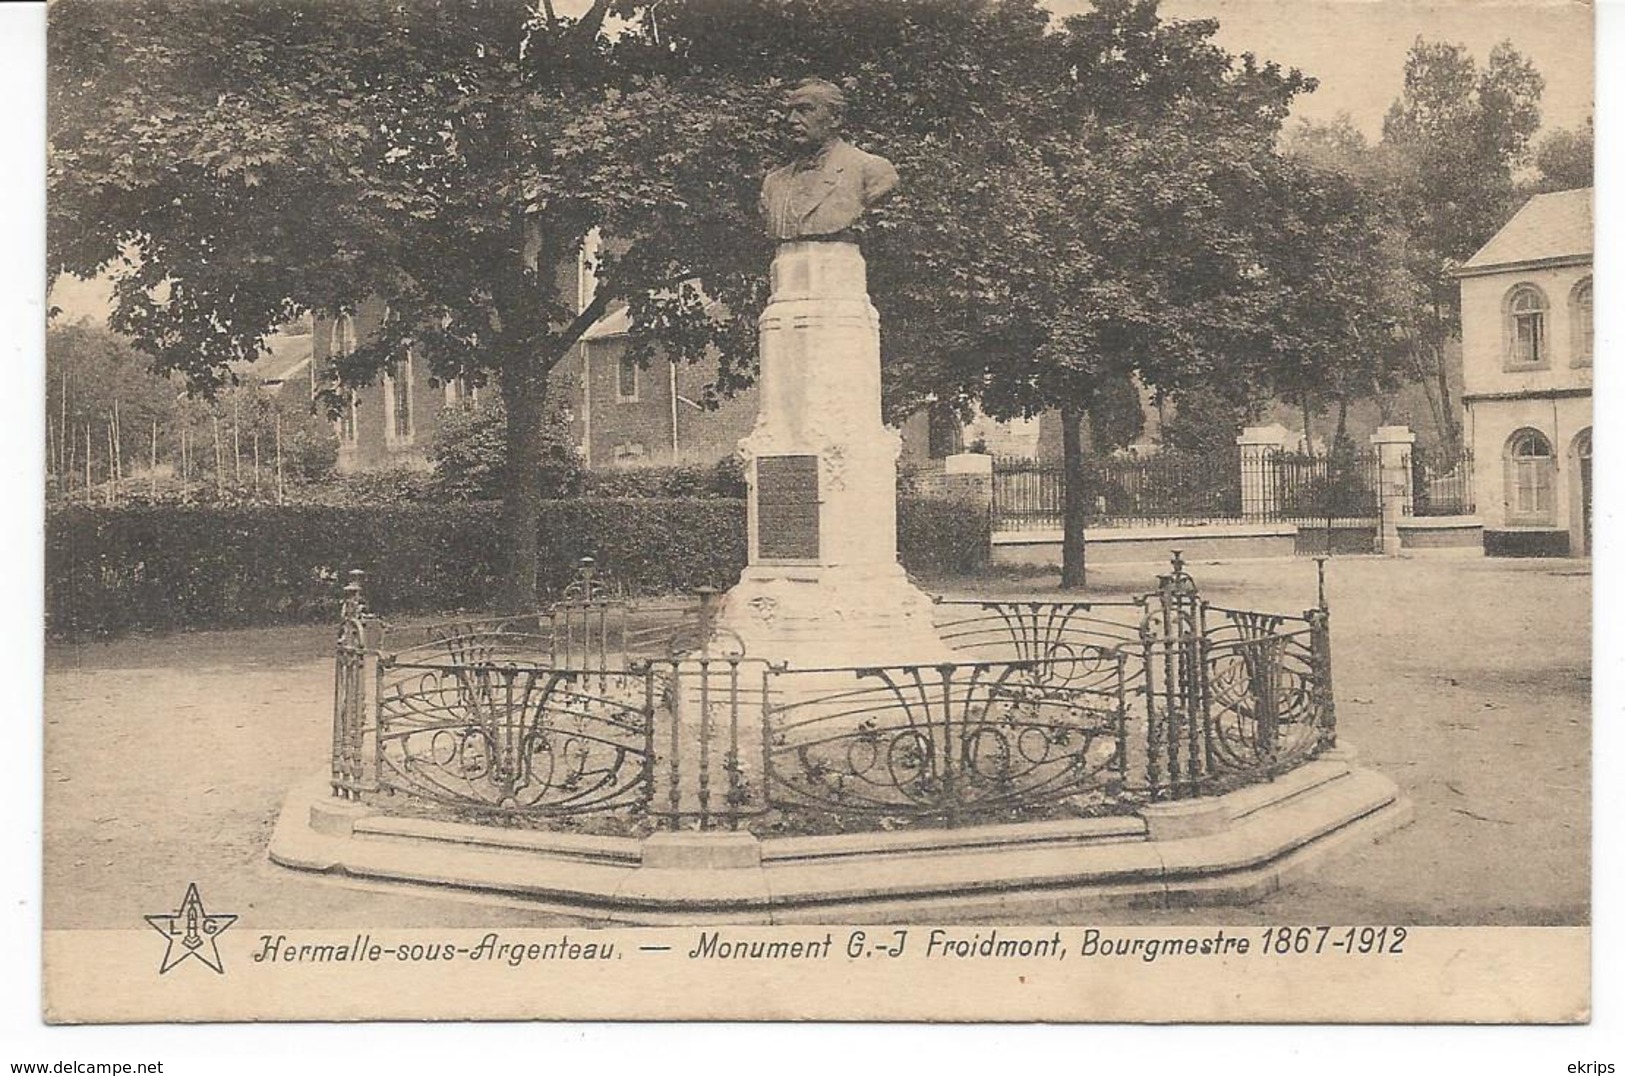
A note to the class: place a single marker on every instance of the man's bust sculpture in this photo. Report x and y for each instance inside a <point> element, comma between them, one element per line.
<point>822,193</point>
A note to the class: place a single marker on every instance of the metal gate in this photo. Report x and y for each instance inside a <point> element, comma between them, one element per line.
<point>1336,499</point>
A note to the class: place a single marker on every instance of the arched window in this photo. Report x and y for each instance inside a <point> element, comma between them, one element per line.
<point>1529,484</point>
<point>398,426</point>
<point>1580,323</point>
<point>343,343</point>
<point>1526,326</point>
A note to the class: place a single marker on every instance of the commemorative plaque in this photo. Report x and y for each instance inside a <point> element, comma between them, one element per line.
<point>787,507</point>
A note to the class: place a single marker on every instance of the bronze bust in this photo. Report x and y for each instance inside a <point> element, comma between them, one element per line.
<point>831,183</point>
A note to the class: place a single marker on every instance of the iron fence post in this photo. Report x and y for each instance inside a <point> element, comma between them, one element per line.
<point>674,695</point>
<point>736,787</point>
<point>649,736</point>
<point>349,676</point>
<point>1320,635</point>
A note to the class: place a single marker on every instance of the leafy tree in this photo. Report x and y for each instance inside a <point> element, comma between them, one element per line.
<point>452,159</point>
<point>1453,142</point>
<point>1563,160</point>
<point>1335,257</point>
<point>1140,169</point>
<point>447,158</point>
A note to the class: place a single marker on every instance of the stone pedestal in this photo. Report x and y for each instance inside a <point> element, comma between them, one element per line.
<point>823,586</point>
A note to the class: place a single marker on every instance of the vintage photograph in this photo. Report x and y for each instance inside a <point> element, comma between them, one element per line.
<point>903,510</point>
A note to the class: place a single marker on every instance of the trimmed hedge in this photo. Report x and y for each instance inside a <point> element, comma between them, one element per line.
<point>943,536</point>
<point>168,567</point>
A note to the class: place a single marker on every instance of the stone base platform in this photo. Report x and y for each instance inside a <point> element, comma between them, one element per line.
<point>832,617</point>
<point>1442,535</point>
<point>1228,849</point>
<point>1151,545</point>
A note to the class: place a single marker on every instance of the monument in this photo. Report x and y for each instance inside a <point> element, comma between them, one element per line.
<point>823,586</point>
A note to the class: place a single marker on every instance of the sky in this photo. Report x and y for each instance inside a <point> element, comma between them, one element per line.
<point>1356,48</point>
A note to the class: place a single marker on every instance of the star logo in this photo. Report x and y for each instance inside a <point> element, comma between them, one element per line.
<point>191,931</point>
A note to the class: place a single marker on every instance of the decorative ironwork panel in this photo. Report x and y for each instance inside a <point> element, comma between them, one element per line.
<point>521,739</point>
<point>787,507</point>
<point>947,743</point>
<point>1270,694</point>
<point>646,712</point>
<point>477,641</point>
<point>1036,630</point>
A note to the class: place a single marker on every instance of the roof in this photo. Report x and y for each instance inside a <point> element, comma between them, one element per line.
<point>618,322</point>
<point>283,357</point>
<point>1549,227</point>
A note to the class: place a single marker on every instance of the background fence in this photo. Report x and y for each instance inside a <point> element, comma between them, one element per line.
<point>1168,487</point>
<point>1311,488</point>
<point>1442,482</point>
<point>1181,488</point>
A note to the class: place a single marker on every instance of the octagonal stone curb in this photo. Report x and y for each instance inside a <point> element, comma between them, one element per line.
<point>1225,849</point>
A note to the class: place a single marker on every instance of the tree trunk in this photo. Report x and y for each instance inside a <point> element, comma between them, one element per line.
<point>1074,512</point>
<point>1450,432</point>
<point>524,390</point>
<point>1308,434</point>
<point>1342,422</point>
<point>281,490</point>
<point>1447,426</point>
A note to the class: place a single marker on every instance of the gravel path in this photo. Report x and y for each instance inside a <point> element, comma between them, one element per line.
<point>1465,680</point>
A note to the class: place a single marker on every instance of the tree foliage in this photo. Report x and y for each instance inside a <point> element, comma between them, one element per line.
<point>1341,297</point>
<point>1083,204</point>
<point>1453,143</point>
<point>1564,159</point>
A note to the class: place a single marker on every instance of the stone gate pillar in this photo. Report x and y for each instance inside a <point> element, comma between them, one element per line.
<point>1260,491</point>
<point>968,478</point>
<point>1394,493</point>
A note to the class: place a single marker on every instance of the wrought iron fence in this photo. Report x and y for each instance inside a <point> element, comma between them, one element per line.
<point>945,743</point>
<point>515,738</point>
<point>1070,707</point>
<point>1167,487</point>
<point>1442,482</point>
<point>1314,487</point>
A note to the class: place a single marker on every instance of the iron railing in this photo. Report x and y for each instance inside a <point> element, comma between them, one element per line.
<point>1168,487</point>
<point>1442,482</point>
<point>1316,487</point>
<point>1047,709</point>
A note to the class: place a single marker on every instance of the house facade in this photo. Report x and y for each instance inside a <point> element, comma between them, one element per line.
<point>621,414</point>
<point>1527,352</point>
<point>626,415</point>
<point>391,422</point>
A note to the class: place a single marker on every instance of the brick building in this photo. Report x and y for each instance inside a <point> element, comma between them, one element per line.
<point>620,414</point>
